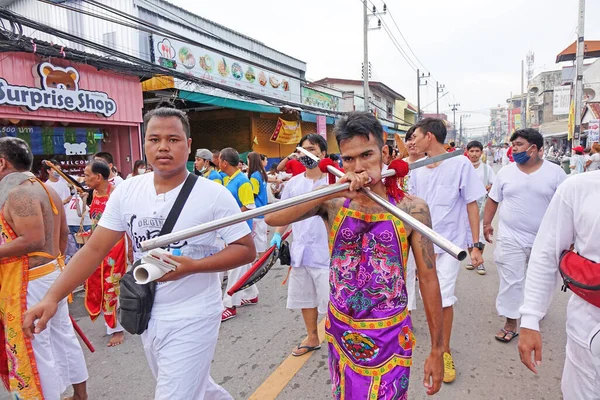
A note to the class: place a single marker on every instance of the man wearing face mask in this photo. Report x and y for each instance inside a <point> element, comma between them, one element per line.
<point>525,188</point>
<point>57,183</point>
<point>203,166</point>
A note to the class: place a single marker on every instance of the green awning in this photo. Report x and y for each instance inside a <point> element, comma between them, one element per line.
<point>227,103</point>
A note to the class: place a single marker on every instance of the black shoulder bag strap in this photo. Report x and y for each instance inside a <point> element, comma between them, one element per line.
<point>178,205</point>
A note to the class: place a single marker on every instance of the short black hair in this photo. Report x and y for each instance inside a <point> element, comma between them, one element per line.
<point>99,167</point>
<point>315,139</point>
<point>230,155</point>
<point>167,109</point>
<point>475,143</point>
<point>409,133</point>
<point>46,168</point>
<point>106,156</point>
<point>533,136</point>
<point>359,123</point>
<point>452,144</point>
<point>17,152</point>
<point>434,125</point>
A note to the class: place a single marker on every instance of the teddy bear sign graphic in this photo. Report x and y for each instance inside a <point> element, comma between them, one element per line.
<point>59,90</point>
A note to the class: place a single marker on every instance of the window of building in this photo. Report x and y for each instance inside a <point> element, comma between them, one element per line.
<point>377,98</point>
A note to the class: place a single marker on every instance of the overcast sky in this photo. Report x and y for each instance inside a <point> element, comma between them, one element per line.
<point>473,47</point>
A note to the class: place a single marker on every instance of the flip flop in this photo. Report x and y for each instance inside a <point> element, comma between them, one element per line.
<point>503,339</point>
<point>308,350</point>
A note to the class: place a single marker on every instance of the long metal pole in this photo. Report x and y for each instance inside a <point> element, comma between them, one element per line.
<point>366,55</point>
<point>579,73</point>
<point>438,240</point>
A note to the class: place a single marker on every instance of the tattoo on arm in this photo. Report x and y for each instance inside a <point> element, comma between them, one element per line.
<point>419,210</point>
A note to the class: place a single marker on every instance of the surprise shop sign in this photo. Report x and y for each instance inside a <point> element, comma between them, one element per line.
<point>58,88</point>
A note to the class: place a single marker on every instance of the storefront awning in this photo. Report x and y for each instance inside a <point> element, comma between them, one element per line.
<point>310,117</point>
<point>555,129</point>
<point>231,102</point>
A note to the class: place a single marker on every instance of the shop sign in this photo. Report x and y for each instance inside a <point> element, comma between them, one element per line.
<point>58,89</point>
<point>315,98</point>
<point>58,140</point>
<point>562,100</point>
<point>593,131</point>
<point>224,70</point>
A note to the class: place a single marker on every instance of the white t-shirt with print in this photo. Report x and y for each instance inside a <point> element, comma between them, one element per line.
<point>486,175</point>
<point>116,180</point>
<point>135,208</point>
<point>73,219</point>
<point>310,247</point>
<point>447,189</point>
<point>525,198</point>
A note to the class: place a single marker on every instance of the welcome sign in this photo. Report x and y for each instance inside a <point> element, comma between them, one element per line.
<point>58,89</point>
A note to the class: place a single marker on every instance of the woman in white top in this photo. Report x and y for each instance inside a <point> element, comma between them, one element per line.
<point>593,164</point>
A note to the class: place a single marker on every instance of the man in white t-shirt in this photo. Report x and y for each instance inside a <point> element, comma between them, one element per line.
<point>308,287</point>
<point>570,220</point>
<point>525,189</point>
<point>182,333</point>
<point>451,188</point>
<point>105,156</point>
<point>57,183</point>
<point>486,175</point>
<point>489,154</point>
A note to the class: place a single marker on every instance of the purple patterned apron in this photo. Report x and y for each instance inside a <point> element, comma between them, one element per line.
<point>368,327</point>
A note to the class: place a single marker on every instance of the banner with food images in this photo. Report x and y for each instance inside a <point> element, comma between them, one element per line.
<point>287,132</point>
<point>224,70</point>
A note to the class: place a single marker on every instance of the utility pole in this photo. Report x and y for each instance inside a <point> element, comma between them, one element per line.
<point>523,105</point>
<point>460,137</point>
<point>579,73</point>
<point>454,107</point>
<point>439,89</point>
<point>419,84</point>
<point>366,30</point>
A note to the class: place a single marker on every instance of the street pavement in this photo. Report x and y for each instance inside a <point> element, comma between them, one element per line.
<point>253,346</point>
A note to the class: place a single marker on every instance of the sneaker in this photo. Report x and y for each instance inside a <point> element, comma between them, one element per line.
<point>449,370</point>
<point>250,302</point>
<point>228,314</point>
<point>481,270</point>
<point>469,267</point>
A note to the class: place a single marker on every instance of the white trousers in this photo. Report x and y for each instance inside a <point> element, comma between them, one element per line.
<point>233,276</point>
<point>411,281</point>
<point>58,355</point>
<point>581,375</point>
<point>308,287</point>
<point>447,271</point>
<point>179,354</point>
<point>511,258</point>
<point>259,234</point>
<point>116,329</point>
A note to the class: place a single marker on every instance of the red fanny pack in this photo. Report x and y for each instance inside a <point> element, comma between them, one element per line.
<point>580,275</point>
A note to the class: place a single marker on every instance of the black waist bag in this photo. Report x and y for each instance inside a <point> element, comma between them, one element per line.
<point>135,300</point>
<point>285,257</point>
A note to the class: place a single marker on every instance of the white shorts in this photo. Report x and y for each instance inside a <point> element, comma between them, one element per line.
<point>179,354</point>
<point>58,355</point>
<point>447,272</point>
<point>259,234</point>
<point>308,287</point>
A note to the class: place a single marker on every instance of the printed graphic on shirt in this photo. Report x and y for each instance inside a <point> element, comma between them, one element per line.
<point>141,229</point>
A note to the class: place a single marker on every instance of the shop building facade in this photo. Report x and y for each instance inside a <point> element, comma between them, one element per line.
<point>69,111</point>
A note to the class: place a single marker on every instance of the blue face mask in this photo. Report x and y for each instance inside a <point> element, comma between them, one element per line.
<point>522,157</point>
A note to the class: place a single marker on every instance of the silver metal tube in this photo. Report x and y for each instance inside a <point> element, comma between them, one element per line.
<point>165,240</point>
<point>423,229</point>
<point>417,225</point>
